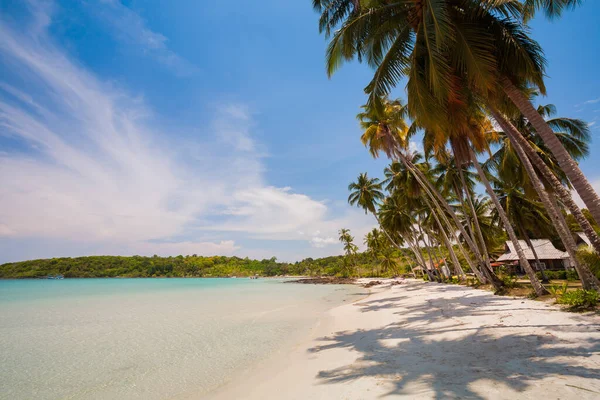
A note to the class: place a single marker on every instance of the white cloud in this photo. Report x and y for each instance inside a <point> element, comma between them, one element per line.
<point>593,101</point>
<point>414,146</point>
<point>97,171</point>
<point>320,242</point>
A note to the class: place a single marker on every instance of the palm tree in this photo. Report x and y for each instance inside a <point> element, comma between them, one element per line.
<point>373,240</point>
<point>573,133</point>
<point>526,215</point>
<point>367,193</point>
<point>390,135</point>
<point>387,263</point>
<point>492,233</point>
<point>588,279</point>
<point>436,45</point>
<point>349,247</point>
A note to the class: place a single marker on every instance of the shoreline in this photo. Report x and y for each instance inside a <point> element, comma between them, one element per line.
<point>428,340</point>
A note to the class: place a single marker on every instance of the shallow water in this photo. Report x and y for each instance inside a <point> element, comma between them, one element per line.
<point>146,338</point>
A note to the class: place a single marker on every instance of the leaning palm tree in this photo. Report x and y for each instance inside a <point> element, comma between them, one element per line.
<point>485,44</point>
<point>526,214</point>
<point>388,133</point>
<point>573,133</point>
<point>492,233</point>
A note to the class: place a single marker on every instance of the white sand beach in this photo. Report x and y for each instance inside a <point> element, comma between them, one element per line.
<point>432,341</point>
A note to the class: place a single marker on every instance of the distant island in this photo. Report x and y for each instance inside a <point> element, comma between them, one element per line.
<point>180,267</point>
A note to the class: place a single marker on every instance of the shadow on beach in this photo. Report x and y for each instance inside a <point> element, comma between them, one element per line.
<point>443,345</point>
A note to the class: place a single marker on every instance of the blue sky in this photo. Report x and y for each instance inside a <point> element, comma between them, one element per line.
<point>152,127</point>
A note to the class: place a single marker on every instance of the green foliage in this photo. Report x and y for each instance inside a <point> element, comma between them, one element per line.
<point>197,266</point>
<point>589,257</point>
<point>570,275</point>
<point>510,282</point>
<point>579,299</point>
<point>558,291</point>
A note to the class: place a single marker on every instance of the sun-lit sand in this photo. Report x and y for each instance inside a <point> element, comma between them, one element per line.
<point>432,341</point>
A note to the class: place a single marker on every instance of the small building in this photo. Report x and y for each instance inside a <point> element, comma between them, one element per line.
<point>550,257</point>
<point>582,240</point>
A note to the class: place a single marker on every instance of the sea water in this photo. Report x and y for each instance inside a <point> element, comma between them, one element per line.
<point>147,338</point>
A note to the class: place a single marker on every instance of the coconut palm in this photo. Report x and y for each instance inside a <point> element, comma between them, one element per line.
<point>573,133</point>
<point>349,247</point>
<point>526,214</point>
<point>373,240</point>
<point>437,45</point>
<point>367,193</point>
<point>491,231</point>
<point>387,263</point>
<point>389,134</point>
<point>588,279</point>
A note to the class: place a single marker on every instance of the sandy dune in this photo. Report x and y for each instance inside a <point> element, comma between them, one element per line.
<point>430,341</point>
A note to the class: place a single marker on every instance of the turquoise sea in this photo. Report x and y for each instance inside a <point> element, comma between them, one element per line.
<point>147,338</point>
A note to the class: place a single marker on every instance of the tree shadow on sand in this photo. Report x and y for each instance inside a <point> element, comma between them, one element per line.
<point>412,351</point>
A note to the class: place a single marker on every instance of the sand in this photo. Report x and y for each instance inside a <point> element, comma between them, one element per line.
<point>433,341</point>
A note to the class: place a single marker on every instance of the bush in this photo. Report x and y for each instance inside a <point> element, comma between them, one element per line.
<point>558,291</point>
<point>579,299</point>
<point>510,282</point>
<point>553,274</point>
<point>572,275</point>
<point>426,278</point>
<point>589,257</point>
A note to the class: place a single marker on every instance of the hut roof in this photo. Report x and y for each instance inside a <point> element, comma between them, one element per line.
<point>543,247</point>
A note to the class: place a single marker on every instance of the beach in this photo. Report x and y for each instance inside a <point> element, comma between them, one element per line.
<point>434,341</point>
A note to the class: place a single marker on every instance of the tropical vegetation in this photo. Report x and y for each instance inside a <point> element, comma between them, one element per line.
<point>472,73</point>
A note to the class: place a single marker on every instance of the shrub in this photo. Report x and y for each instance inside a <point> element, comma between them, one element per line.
<point>558,291</point>
<point>553,274</point>
<point>589,257</point>
<point>426,278</point>
<point>572,275</point>
<point>579,299</point>
<point>510,282</point>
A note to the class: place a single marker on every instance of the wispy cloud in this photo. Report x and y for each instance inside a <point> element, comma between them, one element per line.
<point>131,29</point>
<point>593,101</point>
<point>92,169</point>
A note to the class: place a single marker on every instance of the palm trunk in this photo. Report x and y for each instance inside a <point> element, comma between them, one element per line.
<point>419,257</point>
<point>484,249</point>
<point>432,277</point>
<point>457,268</point>
<point>562,192</point>
<point>535,282</point>
<point>431,246</point>
<point>461,199</point>
<point>566,162</point>
<point>535,254</point>
<point>588,279</point>
<point>486,272</point>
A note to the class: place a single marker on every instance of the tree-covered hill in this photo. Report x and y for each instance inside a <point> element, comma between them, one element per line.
<point>181,266</point>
